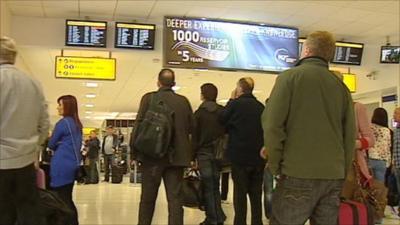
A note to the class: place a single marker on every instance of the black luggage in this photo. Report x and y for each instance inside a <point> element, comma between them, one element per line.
<point>53,208</point>
<point>192,191</point>
<point>116,174</point>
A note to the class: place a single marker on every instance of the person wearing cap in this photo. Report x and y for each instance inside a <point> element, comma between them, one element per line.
<point>24,126</point>
<point>109,146</point>
<point>242,120</point>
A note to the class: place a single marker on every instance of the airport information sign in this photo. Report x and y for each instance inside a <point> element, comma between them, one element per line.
<point>85,68</point>
<point>139,36</point>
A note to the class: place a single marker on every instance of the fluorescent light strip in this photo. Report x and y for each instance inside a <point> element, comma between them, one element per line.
<point>90,95</point>
<point>91,84</point>
<point>89,105</point>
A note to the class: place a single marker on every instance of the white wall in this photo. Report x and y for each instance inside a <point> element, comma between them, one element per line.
<point>5,19</point>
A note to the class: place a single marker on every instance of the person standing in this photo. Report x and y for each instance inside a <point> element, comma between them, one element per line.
<point>207,132</point>
<point>24,126</point>
<point>66,142</point>
<point>396,147</point>
<point>309,133</point>
<point>242,120</point>
<point>170,167</point>
<point>109,147</point>
<point>379,157</point>
<point>93,146</point>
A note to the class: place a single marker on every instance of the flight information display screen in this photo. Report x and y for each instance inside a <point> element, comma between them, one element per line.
<point>348,53</point>
<point>132,35</point>
<point>86,33</point>
<point>217,44</point>
<point>390,54</point>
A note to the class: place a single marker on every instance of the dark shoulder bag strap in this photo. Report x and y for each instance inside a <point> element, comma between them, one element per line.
<point>73,143</point>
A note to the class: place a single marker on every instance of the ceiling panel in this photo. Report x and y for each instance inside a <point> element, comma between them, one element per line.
<point>134,8</point>
<point>21,10</point>
<point>93,7</point>
<point>34,3</point>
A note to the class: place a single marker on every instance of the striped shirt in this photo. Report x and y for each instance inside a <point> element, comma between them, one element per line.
<point>396,148</point>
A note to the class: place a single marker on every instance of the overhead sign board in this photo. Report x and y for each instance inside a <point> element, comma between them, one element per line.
<point>85,68</point>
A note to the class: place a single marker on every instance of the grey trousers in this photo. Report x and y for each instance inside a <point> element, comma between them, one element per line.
<point>294,201</point>
<point>152,173</point>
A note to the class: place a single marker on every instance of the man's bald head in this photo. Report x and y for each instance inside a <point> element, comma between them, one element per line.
<point>166,78</point>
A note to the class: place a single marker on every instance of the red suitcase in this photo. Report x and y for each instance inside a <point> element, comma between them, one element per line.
<point>40,179</point>
<point>355,213</point>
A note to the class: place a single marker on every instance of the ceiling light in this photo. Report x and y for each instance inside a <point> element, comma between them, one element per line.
<point>91,84</point>
<point>90,95</point>
<point>89,105</point>
<point>88,117</point>
<point>88,112</point>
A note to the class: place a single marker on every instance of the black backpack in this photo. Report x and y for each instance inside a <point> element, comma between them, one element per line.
<point>154,133</point>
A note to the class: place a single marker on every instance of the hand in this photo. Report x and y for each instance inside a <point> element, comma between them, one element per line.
<point>36,164</point>
<point>194,165</point>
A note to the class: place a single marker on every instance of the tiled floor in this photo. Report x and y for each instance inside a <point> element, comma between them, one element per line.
<point>107,203</point>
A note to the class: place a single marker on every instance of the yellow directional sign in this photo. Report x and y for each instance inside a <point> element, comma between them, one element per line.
<point>350,80</point>
<point>85,68</point>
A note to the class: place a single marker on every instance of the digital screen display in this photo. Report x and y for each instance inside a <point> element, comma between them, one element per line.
<point>390,54</point>
<point>86,33</point>
<point>138,36</point>
<point>214,44</point>
<point>348,53</point>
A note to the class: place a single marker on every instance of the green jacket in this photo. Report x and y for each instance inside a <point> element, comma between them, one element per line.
<point>309,124</point>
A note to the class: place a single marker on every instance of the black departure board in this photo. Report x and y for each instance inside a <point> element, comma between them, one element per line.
<point>86,33</point>
<point>348,53</point>
<point>133,35</point>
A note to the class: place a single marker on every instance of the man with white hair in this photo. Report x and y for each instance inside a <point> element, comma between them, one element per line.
<point>24,125</point>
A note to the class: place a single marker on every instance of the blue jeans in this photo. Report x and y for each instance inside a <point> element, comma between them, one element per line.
<point>210,175</point>
<point>378,168</point>
<point>268,188</point>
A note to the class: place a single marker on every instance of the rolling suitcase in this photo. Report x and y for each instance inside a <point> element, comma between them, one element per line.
<point>116,174</point>
<point>355,213</point>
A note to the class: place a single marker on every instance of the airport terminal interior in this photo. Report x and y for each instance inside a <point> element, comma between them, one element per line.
<point>108,54</point>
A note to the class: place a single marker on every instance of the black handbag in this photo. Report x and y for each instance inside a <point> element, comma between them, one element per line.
<point>191,190</point>
<point>53,208</point>
<point>80,173</point>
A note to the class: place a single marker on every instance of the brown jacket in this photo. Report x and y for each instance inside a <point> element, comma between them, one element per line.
<point>183,125</point>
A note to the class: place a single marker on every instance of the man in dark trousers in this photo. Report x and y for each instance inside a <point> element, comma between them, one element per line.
<point>168,169</point>
<point>109,146</point>
<point>208,131</point>
<point>24,125</point>
<point>242,119</point>
<point>93,155</point>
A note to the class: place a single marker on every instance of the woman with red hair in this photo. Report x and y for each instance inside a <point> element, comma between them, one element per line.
<point>66,142</point>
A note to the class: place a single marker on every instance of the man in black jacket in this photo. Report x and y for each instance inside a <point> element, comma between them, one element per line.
<point>93,155</point>
<point>170,169</point>
<point>242,119</point>
<point>207,132</point>
<point>109,146</point>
